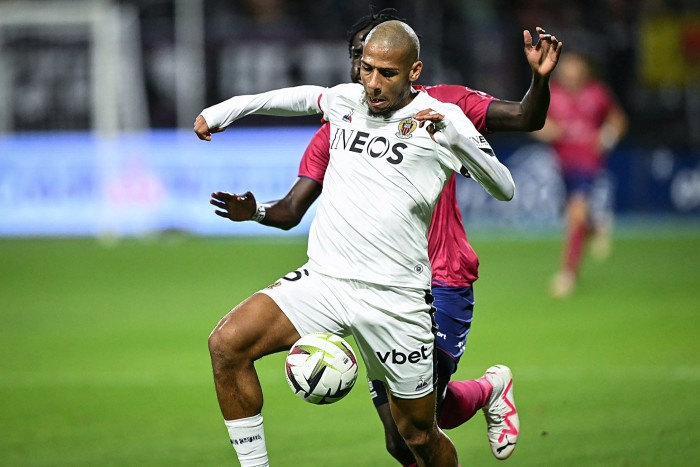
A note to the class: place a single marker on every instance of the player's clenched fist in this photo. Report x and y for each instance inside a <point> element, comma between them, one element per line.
<point>201,128</point>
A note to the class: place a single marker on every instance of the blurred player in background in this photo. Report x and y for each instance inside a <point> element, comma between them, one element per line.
<point>368,273</point>
<point>454,262</point>
<point>583,125</point>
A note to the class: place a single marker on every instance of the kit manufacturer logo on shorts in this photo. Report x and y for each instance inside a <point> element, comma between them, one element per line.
<point>406,127</point>
<point>421,384</point>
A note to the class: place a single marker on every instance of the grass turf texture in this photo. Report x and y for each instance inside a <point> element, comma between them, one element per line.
<point>105,362</point>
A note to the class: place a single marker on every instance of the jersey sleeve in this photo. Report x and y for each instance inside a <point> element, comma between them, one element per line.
<point>470,150</point>
<point>298,100</point>
<point>314,162</point>
<point>474,104</point>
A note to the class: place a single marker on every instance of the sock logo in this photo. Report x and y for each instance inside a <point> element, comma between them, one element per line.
<point>246,439</point>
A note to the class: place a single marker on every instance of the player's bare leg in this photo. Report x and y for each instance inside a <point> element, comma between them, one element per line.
<point>395,444</point>
<point>601,240</point>
<point>415,420</point>
<point>255,328</point>
<point>577,230</point>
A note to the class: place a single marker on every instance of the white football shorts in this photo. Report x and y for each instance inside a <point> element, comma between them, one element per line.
<point>392,326</point>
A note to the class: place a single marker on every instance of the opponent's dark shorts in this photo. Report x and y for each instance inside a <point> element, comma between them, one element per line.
<point>454,307</point>
<point>579,183</point>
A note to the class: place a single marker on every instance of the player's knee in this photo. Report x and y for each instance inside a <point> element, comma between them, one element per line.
<point>224,349</point>
<point>217,346</point>
<point>417,438</point>
<point>577,210</point>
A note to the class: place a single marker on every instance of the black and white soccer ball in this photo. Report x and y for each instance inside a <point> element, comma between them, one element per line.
<point>321,368</point>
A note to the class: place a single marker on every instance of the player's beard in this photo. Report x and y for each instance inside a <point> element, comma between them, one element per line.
<point>388,112</point>
<point>384,114</point>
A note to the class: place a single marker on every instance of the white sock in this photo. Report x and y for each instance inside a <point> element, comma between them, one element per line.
<point>248,439</point>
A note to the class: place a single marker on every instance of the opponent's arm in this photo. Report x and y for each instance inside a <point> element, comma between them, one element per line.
<point>299,100</point>
<point>550,132</point>
<point>530,113</point>
<point>614,127</point>
<point>283,214</point>
<point>288,211</point>
<point>461,139</point>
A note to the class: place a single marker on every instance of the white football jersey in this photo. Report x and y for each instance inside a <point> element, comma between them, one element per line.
<point>383,180</point>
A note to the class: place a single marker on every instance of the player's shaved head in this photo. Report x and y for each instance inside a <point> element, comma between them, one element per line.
<point>395,35</point>
<point>389,66</point>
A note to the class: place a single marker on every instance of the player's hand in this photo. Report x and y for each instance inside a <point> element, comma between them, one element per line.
<point>436,121</point>
<point>235,207</point>
<point>202,129</point>
<point>544,56</point>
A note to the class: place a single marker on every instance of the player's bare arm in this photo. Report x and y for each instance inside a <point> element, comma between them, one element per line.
<point>288,212</point>
<point>549,132</point>
<point>531,112</point>
<point>284,214</point>
<point>614,127</point>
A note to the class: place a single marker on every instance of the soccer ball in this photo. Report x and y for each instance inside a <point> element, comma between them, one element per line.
<point>321,368</point>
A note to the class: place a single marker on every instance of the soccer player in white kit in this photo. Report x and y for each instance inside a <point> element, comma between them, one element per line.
<point>368,274</point>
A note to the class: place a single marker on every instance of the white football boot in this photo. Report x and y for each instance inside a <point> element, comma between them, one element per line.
<point>502,419</point>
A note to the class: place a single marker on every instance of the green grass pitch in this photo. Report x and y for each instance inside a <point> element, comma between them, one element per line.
<point>104,355</point>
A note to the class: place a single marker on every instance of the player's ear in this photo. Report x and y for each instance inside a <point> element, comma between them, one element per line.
<point>416,69</point>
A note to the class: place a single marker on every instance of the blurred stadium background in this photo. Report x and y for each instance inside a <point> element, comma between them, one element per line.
<point>104,93</point>
<point>114,268</point>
